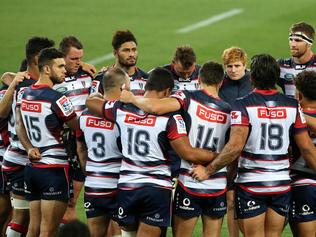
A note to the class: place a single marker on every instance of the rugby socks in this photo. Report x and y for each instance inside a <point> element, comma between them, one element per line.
<point>16,230</point>
<point>128,233</point>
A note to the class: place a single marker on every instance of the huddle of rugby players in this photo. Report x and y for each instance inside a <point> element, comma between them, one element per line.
<point>162,148</point>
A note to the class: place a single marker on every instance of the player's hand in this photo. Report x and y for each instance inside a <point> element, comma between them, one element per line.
<point>88,68</point>
<point>7,78</point>
<point>127,96</point>
<point>104,69</point>
<point>19,77</point>
<point>199,173</point>
<point>34,154</point>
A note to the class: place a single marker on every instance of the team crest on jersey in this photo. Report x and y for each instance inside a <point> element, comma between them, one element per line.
<point>235,117</point>
<point>272,113</point>
<point>143,121</point>
<point>62,89</point>
<point>31,106</point>
<point>211,115</point>
<point>180,124</point>
<point>65,105</point>
<point>99,123</point>
<point>94,86</point>
<point>288,76</point>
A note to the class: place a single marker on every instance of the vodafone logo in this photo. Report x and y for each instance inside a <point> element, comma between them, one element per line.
<point>211,115</point>
<point>31,107</point>
<point>147,121</point>
<point>99,123</point>
<point>272,113</point>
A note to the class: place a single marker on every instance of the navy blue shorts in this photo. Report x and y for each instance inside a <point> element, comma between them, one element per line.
<point>188,205</point>
<point>303,203</point>
<point>150,205</point>
<point>15,180</point>
<point>249,205</point>
<point>47,183</point>
<point>100,206</point>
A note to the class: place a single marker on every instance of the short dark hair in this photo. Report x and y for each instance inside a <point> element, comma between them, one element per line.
<point>159,79</point>
<point>47,55</point>
<point>265,71</point>
<point>113,78</point>
<point>69,41</point>
<point>185,55</point>
<point>211,73</point>
<point>305,83</point>
<point>73,229</point>
<point>35,45</point>
<point>122,36</point>
<point>303,27</point>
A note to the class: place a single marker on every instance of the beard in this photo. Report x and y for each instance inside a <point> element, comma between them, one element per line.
<point>56,79</point>
<point>127,63</point>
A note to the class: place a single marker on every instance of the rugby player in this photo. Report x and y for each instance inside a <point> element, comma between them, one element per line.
<point>303,201</point>
<point>144,193</point>
<point>207,119</point>
<point>15,157</point>
<point>125,51</point>
<point>76,87</point>
<point>301,37</point>
<point>184,69</point>
<point>100,156</point>
<point>44,112</point>
<point>236,84</point>
<point>262,123</point>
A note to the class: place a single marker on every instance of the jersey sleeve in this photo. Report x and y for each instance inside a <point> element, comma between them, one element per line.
<point>110,108</point>
<point>300,122</point>
<point>239,115</point>
<point>176,127</point>
<point>96,85</point>
<point>183,97</point>
<point>19,96</point>
<point>63,108</point>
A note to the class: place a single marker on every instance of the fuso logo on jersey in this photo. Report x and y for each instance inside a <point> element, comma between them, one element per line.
<point>31,107</point>
<point>147,121</point>
<point>272,113</point>
<point>65,105</point>
<point>99,123</point>
<point>211,115</point>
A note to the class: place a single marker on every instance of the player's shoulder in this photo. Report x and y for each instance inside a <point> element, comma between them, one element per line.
<point>25,83</point>
<point>141,73</point>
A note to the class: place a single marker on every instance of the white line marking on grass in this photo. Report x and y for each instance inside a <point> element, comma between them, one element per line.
<point>210,21</point>
<point>101,59</point>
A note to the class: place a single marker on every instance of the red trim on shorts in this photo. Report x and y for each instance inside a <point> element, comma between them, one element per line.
<point>36,165</point>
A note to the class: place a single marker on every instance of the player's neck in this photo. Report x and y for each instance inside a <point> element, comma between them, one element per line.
<point>33,71</point>
<point>112,95</point>
<point>153,94</point>
<point>211,90</point>
<point>43,80</point>
<point>305,58</point>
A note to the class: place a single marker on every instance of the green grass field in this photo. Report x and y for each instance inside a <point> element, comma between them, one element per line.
<point>261,27</point>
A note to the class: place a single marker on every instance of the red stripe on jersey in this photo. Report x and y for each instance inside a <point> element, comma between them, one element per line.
<point>276,192</point>
<point>203,194</point>
<point>36,165</point>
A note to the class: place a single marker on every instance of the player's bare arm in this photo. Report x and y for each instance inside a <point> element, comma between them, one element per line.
<point>82,154</point>
<point>184,149</point>
<point>230,152</point>
<point>7,78</point>
<point>6,102</point>
<point>95,104</point>
<point>307,148</point>
<point>32,152</point>
<point>151,105</point>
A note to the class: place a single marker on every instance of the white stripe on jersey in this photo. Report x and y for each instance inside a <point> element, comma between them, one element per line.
<point>264,190</point>
<point>262,176</point>
<point>15,157</point>
<point>303,181</point>
<point>267,164</point>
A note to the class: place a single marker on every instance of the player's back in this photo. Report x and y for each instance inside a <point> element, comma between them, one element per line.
<point>207,119</point>
<point>145,142</point>
<point>44,112</point>
<point>263,165</point>
<point>104,156</point>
